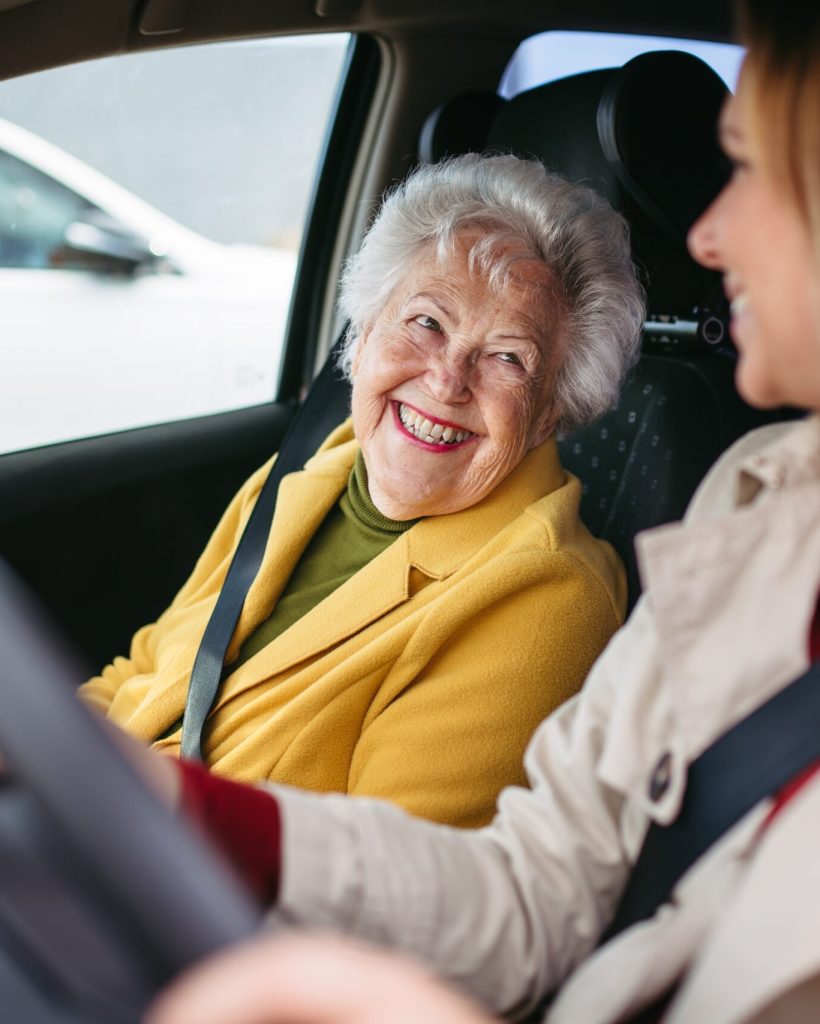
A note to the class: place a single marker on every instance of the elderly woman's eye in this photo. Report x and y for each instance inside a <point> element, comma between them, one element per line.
<point>510,357</point>
<point>428,322</point>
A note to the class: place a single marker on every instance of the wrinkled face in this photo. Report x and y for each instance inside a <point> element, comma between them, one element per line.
<point>452,384</point>
<point>754,233</point>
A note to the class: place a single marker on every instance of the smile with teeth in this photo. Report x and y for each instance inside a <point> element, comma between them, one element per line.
<point>431,431</point>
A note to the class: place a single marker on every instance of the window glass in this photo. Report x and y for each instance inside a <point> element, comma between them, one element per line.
<point>151,210</point>
<point>35,211</point>
<point>552,55</point>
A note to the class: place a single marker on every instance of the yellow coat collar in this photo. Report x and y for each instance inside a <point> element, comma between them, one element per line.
<point>437,547</point>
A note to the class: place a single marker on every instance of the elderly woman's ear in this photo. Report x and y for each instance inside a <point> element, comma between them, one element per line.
<point>545,424</point>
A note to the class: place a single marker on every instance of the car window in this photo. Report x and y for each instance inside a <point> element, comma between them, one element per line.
<point>551,55</point>
<point>151,212</point>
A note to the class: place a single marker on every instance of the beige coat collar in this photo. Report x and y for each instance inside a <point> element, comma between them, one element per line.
<point>704,588</point>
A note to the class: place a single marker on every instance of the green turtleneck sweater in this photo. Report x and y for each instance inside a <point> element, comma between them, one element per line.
<point>352,533</point>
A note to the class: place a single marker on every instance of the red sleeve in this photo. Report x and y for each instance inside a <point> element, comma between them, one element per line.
<point>242,821</point>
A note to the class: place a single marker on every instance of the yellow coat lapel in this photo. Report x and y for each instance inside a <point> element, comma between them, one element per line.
<point>303,501</point>
<point>435,547</point>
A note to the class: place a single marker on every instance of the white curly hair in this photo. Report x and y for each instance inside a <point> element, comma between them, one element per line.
<point>523,212</point>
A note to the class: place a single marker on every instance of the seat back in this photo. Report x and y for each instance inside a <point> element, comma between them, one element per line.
<point>643,135</point>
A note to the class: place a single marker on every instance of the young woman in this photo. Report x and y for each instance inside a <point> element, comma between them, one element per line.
<point>730,619</point>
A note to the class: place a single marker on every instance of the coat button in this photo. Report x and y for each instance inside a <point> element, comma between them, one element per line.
<point>661,776</point>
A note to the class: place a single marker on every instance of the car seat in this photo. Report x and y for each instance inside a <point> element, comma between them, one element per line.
<point>644,135</point>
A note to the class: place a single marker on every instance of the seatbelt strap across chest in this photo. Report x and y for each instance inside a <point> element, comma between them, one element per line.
<point>750,762</point>
<point>314,420</point>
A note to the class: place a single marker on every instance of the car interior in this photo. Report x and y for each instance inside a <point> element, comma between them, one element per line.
<point>104,530</point>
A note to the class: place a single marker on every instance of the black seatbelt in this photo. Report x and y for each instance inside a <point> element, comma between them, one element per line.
<point>751,761</point>
<point>315,418</point>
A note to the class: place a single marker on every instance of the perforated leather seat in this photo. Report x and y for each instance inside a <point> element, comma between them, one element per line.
<point>644,136</point>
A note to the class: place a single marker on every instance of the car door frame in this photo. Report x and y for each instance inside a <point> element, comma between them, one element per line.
<point>106,529</point>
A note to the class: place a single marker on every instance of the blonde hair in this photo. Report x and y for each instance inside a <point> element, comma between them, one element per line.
<point>782,69</point>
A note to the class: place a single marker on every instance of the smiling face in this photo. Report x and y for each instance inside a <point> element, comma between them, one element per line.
<point>754,234</point>
<point>452,384</point>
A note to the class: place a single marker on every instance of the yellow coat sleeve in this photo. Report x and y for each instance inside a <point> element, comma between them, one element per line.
<point>457,730</point>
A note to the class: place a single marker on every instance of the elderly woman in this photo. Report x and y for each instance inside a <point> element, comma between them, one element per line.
<point>428,593</point>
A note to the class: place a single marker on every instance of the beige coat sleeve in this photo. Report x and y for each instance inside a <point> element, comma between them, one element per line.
<point>505,912</point>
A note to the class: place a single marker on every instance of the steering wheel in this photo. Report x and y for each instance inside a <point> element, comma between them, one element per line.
<point>104,894</point>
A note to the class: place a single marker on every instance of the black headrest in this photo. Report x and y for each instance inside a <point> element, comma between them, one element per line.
<point>556,123</point>
<point>459,125</point>
<point>656,123</point>
<point>643,135</point>
<point>657,127</point>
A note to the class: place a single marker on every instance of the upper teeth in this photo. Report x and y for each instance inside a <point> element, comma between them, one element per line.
<point>426,430</point>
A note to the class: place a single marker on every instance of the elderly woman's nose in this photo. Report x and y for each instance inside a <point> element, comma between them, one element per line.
<point>448,376</point>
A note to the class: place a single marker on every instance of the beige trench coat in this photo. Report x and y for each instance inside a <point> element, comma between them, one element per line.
<point>516,909</point>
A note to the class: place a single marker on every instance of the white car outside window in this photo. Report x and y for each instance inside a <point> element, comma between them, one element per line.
<point>114,314</point>
<point>113,308</point>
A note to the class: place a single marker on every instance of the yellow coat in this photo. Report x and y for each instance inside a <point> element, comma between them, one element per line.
<point>421,679</point>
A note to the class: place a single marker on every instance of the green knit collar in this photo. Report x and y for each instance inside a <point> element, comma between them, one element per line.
<point>363,506</point>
